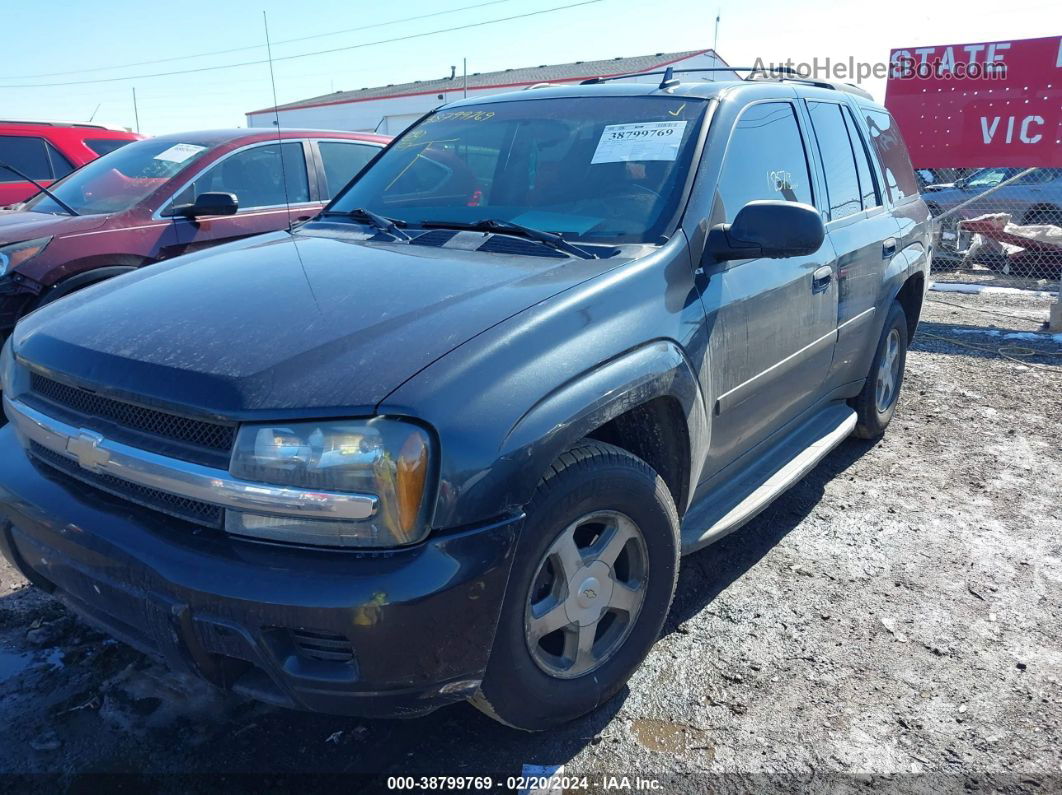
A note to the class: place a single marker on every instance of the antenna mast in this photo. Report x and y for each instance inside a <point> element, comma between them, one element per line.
<point>276,121</point>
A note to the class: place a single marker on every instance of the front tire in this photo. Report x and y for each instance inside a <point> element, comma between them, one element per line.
<point>876,403</point>
<point>590,588</point>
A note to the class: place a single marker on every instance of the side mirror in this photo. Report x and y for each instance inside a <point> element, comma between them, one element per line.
<point>772,229</point>
<point>208,204</point>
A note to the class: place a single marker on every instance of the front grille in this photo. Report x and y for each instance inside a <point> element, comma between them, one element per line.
<point>322,646</point>
<point>170,432</point>
<point>200,513</point>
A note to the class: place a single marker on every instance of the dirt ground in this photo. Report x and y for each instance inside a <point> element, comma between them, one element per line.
<point>894,622</point>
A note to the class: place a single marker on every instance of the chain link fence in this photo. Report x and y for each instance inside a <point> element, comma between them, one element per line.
<point>998,227</point>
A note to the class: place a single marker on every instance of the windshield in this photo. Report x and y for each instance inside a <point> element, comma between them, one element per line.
<point>607,169</point>
<point>117,181</point>
<point>987,177</point>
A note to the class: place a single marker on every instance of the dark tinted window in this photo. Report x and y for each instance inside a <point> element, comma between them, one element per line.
<point>765,159</point>
<point>255,176</point>
<point>867,185</point>
<point>103,146</point>
<point>60,165</point>
<point>342,161</point>
<point>838,160</point>
<point>900,180</point>
<point>25,153</point>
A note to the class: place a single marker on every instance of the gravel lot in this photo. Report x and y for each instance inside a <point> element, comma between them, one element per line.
<point>898,612</point>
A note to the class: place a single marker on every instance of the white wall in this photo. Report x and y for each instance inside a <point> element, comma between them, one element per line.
<point>391,115</point>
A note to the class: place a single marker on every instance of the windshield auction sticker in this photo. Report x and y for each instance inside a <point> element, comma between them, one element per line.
<point>651,140</point>
<point>178,153</point>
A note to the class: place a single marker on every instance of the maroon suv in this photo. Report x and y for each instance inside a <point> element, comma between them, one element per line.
<point>155,199</point>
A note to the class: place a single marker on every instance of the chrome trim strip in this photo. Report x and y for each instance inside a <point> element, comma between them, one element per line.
<point>98,455</point>
<point>739,394</point>
<point>862,317</point>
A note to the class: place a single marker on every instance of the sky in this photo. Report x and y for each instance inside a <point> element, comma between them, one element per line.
<point>72,41</point>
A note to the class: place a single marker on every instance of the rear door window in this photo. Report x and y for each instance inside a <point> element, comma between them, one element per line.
<point>27,154</point>
<point>900,180</point>
<point>867,183</point>
<point>765,159</point>
<point>342,161</point>
<point>838,159</point>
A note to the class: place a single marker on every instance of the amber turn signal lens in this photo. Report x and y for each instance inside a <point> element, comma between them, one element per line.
<point>412,475</point>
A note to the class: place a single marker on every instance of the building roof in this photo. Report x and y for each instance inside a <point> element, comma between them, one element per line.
<point>506,78</point>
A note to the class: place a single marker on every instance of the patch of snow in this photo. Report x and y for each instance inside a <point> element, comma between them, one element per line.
<point>985,289</point>
<point>1031,336</point>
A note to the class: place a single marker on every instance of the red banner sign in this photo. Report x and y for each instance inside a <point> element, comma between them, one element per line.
<point>971,105</point>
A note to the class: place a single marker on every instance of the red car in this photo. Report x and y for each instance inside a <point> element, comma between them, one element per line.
<point>157,198</point>
<point>47,151</point>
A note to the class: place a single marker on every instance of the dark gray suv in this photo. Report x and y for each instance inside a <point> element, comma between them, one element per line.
<point>449,439</point>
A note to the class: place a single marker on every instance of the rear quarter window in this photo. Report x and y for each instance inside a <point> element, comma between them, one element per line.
<point>103,146</point>
<point>891,151</point>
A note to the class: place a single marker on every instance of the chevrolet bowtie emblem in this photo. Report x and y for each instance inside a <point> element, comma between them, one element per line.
<point>86,448</point>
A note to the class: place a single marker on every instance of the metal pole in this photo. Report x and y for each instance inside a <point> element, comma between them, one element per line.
<point>136,113</point>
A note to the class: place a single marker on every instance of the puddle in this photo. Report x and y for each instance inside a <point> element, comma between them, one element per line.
<point>667,737</point>
<point>11,664</point>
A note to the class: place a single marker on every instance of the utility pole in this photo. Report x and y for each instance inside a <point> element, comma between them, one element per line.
<point>464,68</point>
<point>136,113</point>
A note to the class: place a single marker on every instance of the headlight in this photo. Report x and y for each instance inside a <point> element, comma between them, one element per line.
<point>13,377</point>
<point>17,253</point>
<point>389,459</point>
<point>7,368</point>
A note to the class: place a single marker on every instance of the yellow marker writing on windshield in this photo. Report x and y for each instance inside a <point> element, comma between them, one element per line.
<point>681,108</point>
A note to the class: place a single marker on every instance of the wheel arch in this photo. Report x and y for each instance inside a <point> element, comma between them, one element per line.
<point>646,401</point>
<point>910,297</point>
<point>1049,209</point>
<point>117,266</point>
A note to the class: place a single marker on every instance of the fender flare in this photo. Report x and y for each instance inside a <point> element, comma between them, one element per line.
<point>83,279</point>
<point>658,369</point>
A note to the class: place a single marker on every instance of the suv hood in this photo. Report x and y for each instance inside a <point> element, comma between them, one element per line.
<point>281,324</point>
<point>19,225</point>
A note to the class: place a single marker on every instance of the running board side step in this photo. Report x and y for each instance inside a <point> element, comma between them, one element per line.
<point>732,504</point>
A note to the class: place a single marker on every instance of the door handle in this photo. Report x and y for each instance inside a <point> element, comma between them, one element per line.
<point>820,279</point>
<point>888,248</point>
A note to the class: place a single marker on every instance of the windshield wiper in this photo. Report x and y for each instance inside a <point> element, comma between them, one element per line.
<point>381,222</point>
<point>553,241</point>
<point>41,188</point>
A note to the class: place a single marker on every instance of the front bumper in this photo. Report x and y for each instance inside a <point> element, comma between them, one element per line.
<point>362,633</point>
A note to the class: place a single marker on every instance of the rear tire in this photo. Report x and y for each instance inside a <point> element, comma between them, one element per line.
<point>876,403</point>
<point>590,588</point>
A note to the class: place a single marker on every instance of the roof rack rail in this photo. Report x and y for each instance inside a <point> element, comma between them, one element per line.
<point>667,73</point>
<point>56,123</point>
<point>777,73</point>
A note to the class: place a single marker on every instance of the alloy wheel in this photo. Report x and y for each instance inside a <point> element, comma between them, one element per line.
<point>586,594</point>
<point>888,373</point>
